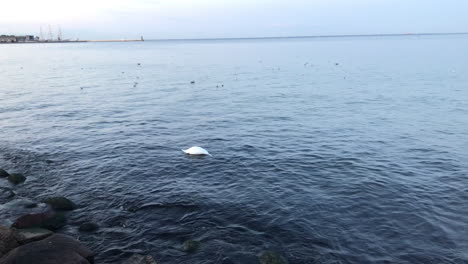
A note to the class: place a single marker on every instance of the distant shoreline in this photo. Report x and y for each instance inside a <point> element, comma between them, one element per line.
<point>72,41</point>
<point>250,38</point>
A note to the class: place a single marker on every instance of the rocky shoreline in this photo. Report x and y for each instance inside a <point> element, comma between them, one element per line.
<point>32,237</point>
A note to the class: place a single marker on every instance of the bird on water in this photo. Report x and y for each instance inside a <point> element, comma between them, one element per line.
<point>196,151</point>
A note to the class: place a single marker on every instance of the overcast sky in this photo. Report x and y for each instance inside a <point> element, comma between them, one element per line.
<point>94,19</point>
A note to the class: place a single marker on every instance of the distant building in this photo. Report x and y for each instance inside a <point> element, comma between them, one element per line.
<point>7,39</point>
<point>16,39</point>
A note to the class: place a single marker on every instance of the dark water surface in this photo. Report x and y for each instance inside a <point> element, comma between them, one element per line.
<point>361,162</point>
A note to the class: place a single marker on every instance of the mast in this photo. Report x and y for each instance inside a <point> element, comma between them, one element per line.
<point>51,36</point>
<point>59,34</point>
<point>41,35</point>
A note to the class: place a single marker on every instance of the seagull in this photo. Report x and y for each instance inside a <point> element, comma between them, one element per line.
<point>196,151</point>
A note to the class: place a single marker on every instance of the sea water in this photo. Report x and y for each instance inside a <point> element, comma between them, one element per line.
<point>325,150</point>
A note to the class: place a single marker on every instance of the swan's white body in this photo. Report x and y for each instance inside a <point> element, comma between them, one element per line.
<point>196,151</point>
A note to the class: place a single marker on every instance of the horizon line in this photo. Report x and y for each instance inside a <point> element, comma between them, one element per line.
<point>313,36</point>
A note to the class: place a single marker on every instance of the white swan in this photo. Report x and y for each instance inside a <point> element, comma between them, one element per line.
<point>196,151</point>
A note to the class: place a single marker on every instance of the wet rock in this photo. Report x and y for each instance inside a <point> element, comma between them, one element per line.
<point>140,259</point>
<point>5,194</point>
<point>227,261</point>
<point>190,246</point>
<point>3,173</point>
<point>51,221</point>
<point>30,205</point>
<point>16,178</point>
<point>8,240</point>
<point>133,208</point>
<point>88,227</point>
<point>30,220</point>
<point>55,222</point>
<point>29,235</point>
<point>56,249</point>
<point>271,257</point>
<point>60,203</point>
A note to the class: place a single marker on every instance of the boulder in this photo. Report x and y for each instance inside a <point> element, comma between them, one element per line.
<point>60,203</point>
<point>3,173</point>
<point>88,227</point>
<point>30,220</point>
<point>271,257</point>
<point>29,235</point>
<point>55,222</point>
<point>56,249</point>
<point>30,205</point>
<point>227,261</point>
<point>140,259</point>
<point>16,178</point>
<point>8,240</point>
<point>190,246</point>
<point>51,221</point>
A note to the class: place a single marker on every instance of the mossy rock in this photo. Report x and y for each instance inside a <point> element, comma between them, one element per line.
<point>55,222</point>
<point>60,203</point>
<point>140,259</point>
<point>88,227</point>
<point>3,173</point>
<point>190,246</point>
<point>50,221</point>
<point>271,257</point>
<point>30,205</point>
<point>16,178</point>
